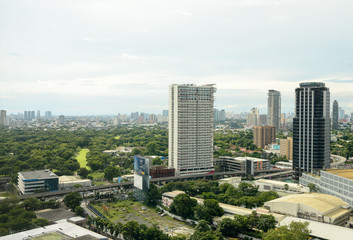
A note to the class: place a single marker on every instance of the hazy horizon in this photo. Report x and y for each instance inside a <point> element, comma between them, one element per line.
<point>105,57</point>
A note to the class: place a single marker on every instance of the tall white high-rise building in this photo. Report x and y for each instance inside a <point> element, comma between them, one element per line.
<point>191,128</point>
<point>274,108</point>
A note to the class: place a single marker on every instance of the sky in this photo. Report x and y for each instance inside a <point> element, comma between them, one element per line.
<point>97,57</point>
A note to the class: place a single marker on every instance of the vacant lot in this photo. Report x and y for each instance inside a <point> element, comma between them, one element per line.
<point>124,211</point>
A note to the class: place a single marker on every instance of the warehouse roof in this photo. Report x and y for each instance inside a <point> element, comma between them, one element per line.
<point>322,230</point>
<point>346,173</point>
<point>318,201</point>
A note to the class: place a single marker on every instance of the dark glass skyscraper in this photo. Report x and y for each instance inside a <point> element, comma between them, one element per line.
<point>335,115</point>
<point>311,127</point>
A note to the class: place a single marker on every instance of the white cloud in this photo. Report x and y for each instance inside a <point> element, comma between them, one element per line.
<point>89,39</point>
<point>229,106</point>
<point>129,56</point>
<point>182,12</point>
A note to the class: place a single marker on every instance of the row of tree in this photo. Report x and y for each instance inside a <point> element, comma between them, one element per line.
<point>17,217</point>
<point>33,149</point>
<point>246,195</point>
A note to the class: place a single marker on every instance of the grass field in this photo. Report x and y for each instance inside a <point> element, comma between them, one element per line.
<point>50,236</point>
<point>81,158</point>
<point>117,137</point>
<point>124,211</point>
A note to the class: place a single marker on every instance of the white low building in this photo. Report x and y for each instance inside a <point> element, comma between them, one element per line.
<point>279,186</point>
<point>322,230</point>
<point>68,182</point>
<point>336,182</point>
<point>313,206</point>
<point>30,182</point>
<point>60,230</point>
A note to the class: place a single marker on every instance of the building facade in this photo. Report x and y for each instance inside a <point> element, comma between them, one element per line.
<point>335,115</point>
<point>287,148</point>
<point>40,180</point>
<point>264,135</point>
<point>336,182</point>
<point>311,128</point>
<point>191,110</point>
<point>232,164</point>
<point>274,109</point>
<point>313,206</point>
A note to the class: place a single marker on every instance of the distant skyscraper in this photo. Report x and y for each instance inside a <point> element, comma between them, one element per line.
<point>252,119</point>
<point>2,117</point>
<point>134,116</point>
<point>61,119</point>
<point>25,116</point>
<point>165,113</point>
<point>335,115</point>
<point>32,115</point>
<point>341,114</point>
<point>263,120</point>
<point>152,118</point>
<point>274,108</point>
<point>38,115</point>
<point>311,127</point>
<point>48,114</point>
<point>215,115</point>
<point>222,115</point>
<point>264,135</point>
<point>191,128</point>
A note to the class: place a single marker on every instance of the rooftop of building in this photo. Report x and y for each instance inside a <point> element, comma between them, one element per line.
<point>61,229</point>
<point>279,183</point>
<point>38,174</point>
<point>318,201</point>
<point>311,84</point>
<point>345,173</point>
<point>55,214</point>
<point>65,179</point>
<point>322,230</point>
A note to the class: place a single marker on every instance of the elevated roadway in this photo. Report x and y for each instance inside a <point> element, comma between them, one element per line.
<point>263,174</point>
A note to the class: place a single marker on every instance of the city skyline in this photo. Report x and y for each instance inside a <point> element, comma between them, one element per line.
<point>106,57</point>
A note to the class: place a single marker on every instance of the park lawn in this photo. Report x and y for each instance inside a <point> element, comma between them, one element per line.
<point>124,211</point>
<point>81,158</point>
<point>50,236</point>
<point>117,137</point>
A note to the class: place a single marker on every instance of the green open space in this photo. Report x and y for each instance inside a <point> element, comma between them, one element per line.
<point>81,158</point>
<point>117,137</point>
<point>124,211</point>
<point>50,236</point>
<point>96,175</point>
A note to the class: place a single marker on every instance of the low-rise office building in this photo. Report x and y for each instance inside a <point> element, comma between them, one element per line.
<point>232,164</point>
<point>39,180</point>
<point>336,182</point>
<point>313,206</point>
